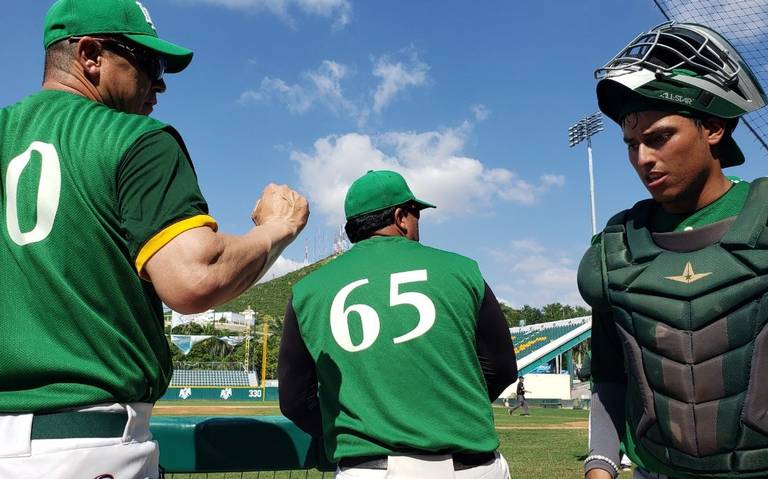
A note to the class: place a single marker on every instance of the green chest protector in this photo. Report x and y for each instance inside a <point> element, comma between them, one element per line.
<point>690,310</point>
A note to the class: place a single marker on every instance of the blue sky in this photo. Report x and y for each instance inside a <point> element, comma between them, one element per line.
<point>471,101</point>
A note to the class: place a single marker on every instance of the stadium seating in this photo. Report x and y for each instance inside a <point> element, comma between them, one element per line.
<point>537,344</point>
<point>528,339</point>
<point>207,377</point>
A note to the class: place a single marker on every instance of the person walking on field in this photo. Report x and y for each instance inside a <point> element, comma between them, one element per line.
<point>103,221</point>
<point>394,351</point>
<point>521,401</point>
<point>679,282</point>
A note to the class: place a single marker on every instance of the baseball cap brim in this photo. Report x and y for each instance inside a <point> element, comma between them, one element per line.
<point>177,57</point>
<point>422,204</point>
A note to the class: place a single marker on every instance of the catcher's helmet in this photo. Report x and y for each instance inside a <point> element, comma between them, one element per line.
<point>680,67</point>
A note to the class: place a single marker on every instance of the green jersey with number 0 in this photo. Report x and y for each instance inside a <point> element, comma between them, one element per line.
<point>391,326</point>
<point>77,324</point>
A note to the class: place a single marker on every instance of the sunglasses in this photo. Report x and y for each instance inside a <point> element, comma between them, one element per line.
<point>153,64</point>
<point>413,210</point>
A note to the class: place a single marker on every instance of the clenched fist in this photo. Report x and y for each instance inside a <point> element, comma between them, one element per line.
<point>280,204</point>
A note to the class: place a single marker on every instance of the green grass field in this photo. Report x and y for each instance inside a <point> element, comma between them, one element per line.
<point>550,443</point>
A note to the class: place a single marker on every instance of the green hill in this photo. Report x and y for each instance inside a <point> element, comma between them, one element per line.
<point>272,296</point>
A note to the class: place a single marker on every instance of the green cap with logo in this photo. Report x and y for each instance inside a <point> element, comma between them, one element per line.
<point>129,18</point>
<point>377,190</point>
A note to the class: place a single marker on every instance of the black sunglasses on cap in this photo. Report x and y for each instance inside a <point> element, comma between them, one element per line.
<point>152,63</point>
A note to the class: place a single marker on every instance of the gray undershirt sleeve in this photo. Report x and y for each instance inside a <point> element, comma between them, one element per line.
<point>606,424</point>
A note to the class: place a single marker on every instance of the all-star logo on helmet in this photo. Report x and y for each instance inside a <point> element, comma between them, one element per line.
<point>685,100</point>
<point>685,68</point>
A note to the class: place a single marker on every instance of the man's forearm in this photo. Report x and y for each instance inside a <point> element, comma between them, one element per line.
<point>201,268</point>
<point>606,427</point>
<point>243,260</point>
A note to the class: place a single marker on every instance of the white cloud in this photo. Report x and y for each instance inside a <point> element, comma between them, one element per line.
<point>527,245</point>
<point>326,81</point>
<point>431,162</point>
<point>553,180</point>
<point>281,267</point>
<point>538,275</point>
<point>480,111</point>
<point>294,97</point>
<point>397,75</point>
<point>503,301</point>
<point>339,10</point>
<point>322,85</point>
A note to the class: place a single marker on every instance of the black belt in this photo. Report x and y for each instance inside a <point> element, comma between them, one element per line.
<point>461,461</point>
<point>66,425</point>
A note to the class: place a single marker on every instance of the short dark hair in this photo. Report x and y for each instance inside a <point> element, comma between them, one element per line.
<point>363,226</point>
<point>58,56</point>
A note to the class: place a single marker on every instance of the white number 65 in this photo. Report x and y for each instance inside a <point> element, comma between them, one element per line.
<point>370,319</point>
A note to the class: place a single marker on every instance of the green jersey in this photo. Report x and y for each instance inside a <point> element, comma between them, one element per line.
<point>77,324</point>
<point>391,327</point>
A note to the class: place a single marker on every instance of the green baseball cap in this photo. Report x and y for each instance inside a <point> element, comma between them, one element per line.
<point>129,18</point>
<point>377,190</point>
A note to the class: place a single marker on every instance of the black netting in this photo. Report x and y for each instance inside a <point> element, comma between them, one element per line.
<point>742,22</point>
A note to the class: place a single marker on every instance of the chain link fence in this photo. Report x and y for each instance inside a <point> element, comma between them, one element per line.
<point>745,24</point>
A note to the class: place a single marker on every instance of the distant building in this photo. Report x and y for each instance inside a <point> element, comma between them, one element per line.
<point>245,318</point>
<point>250,316</point>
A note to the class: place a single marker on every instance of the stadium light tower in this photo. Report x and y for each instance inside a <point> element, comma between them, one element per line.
<point>582,130</point>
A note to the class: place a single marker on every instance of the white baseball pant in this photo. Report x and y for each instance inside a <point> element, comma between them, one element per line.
<point>433,467</point>
<point>132,456</point>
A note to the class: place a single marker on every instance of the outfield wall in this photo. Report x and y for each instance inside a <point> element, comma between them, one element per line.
<point>221,393</point>
<point>543,386</point>
<point>196,444</point>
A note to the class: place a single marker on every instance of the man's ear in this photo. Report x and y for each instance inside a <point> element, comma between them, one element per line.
<point>400,222</point>
<point>89,56</point>
<point>714,129</point>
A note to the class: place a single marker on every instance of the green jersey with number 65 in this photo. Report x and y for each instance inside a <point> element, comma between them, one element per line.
<point>77,324</point>
<point>391,326</point>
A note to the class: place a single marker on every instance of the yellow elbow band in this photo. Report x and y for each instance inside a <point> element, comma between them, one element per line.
<point>163,237</point>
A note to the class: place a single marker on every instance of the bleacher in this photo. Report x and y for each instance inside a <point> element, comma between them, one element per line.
<point>539,343</point>
<point>208,377</point>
